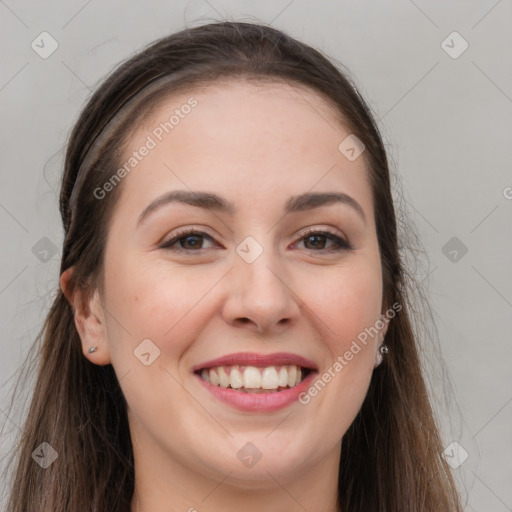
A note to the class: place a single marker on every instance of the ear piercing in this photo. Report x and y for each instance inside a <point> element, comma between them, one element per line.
<point>383,349</point>
<point>92,349</point>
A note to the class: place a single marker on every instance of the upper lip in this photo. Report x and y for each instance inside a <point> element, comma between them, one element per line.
<point>254,359</point>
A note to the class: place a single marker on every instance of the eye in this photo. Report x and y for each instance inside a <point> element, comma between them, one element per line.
<point>319,239</point>
<point>188,240</point>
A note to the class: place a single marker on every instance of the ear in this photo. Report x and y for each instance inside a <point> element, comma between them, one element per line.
<point>89,318</point>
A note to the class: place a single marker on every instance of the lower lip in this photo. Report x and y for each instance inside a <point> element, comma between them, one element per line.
<point>259,402</point>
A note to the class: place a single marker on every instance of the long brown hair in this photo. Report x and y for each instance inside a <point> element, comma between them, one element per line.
<point>391,454</point>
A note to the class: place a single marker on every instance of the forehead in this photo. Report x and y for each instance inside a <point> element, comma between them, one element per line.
<point>250,140</point>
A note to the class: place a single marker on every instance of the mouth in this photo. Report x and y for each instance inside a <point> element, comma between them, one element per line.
<point>255,379</point>
<point>248,372</point>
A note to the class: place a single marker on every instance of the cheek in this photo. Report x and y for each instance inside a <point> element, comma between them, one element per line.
<point>156,301</point>
<point>347,304</point>
<point>346,300</point>
<point>152,300</point>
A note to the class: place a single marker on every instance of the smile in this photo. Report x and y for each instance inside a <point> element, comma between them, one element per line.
<point>252,379</point>
<point>256,383</point>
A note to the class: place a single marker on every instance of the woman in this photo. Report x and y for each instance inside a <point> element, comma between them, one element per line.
<point>232,327</point>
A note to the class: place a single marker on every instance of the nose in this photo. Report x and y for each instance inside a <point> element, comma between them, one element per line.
<point>261,296</point>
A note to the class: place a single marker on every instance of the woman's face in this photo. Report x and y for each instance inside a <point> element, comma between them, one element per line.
<point>249,282</point>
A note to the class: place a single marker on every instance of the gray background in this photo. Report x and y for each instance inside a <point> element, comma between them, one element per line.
<point>446,124</point>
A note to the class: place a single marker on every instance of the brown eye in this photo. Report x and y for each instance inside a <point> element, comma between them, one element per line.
<point>317,241</point>
<point>190,241</point>
<point>187,241</point>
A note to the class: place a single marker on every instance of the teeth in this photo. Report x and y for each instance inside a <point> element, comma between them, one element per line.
<point>283,377</point>
<point>269,378</point>
<point>214,378</point>
<point>235,378</point>
<point>223,377</point>
<point>292,375</point>
<point>253,378</point>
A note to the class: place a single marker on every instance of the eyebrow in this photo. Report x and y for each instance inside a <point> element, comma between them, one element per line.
<point>211,201</point>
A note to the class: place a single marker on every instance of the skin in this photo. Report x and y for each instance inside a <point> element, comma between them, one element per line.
<point>255,145</point>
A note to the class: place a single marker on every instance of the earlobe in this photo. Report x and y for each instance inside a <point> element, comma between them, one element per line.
<point>89,319</point>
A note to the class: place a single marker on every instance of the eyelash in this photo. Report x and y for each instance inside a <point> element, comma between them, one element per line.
<point>342,245</point>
